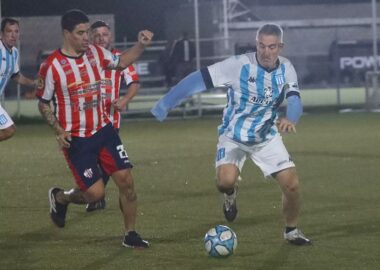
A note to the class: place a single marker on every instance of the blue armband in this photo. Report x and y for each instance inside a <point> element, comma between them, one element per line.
<point>190,85</point>
<point>294,108</point>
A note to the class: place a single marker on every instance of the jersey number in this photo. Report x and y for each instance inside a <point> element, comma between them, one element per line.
<point>122,152</point>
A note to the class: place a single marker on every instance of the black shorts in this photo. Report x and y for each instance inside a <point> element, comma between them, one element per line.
<point>86,155</point>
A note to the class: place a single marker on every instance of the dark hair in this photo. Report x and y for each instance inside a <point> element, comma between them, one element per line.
<point>98,24</point>
<point>270,30</point>
<point>6,20</point>
<point>72,18</point>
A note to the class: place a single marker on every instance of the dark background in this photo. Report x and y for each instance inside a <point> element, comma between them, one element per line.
<point>131,16</point>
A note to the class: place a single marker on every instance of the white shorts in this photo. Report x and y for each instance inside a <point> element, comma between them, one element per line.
<point>5,119</point>
<point>270,156</point>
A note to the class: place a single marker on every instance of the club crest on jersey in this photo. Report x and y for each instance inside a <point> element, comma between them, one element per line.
<point>280,79</point>
<point>88,173</point>
<point>115,57</point>
<point>40,83</point>
<point>63,62</point>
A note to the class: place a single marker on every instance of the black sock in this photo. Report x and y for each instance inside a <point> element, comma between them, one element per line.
<point>289,229</point>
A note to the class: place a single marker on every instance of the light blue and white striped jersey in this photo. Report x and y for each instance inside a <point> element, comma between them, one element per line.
<point>253,97</point>
<point>8,65</point>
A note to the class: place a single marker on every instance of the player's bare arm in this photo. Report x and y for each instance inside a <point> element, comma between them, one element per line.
<point>129,56</point>
<point>62,136</point>
<point>21,79</point>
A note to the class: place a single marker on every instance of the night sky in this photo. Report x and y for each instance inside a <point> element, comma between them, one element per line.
<point>130,15</point>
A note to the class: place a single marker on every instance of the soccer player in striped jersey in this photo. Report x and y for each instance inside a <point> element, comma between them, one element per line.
<point>9,69</point>
<point>70,81</point>
<point>251,127</point>
<point>101,36</point>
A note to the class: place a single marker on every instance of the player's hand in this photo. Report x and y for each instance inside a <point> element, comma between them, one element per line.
<point>118,104</point>
<point>145,37</point>
<point>63,138</point>
<point>285,126</point>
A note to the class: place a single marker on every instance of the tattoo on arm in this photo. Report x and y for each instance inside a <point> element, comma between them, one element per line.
<point>48,115</point>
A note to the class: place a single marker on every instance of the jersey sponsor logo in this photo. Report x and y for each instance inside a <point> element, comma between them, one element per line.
<point>77,106</point>
<point>68,72</point>
<point>88,173</point>
<point>268,93</point>
<point>84,89</point>
<point>285,161</point>
<point>268,97</point>
<point>251,79</point>
<point>83,72</point>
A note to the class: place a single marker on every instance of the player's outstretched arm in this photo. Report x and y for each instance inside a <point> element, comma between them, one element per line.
<point>21,79</point>
<point>187,87</point>
<point>129,56</point>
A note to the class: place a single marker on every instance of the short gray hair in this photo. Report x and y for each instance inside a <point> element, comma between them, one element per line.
<point>270,29</point>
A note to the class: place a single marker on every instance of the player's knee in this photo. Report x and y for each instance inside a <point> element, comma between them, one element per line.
<point>225,184</point>
<point>227,176</point>
<point>131,195</point>
<point>124,181</point>
<point>291,186</point>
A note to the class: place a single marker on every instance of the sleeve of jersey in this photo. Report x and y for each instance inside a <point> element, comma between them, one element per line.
<point>45,86</point>
<point>110,60</point>
<point>130,75</point>
<point>294,108</point>
<point>194,83</point>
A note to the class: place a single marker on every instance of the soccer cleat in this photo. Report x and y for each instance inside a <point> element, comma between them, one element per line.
<point>296,237</point>
<point>98,205</point>
<point>134,240</point>
<point>229,206</point>
<point>57,210</point>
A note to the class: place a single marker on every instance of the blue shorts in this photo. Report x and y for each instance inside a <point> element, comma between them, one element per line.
<point>103,150</point>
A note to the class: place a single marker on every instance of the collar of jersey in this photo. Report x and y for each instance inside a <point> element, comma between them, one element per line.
<point>69,56</point>
<point>9,50</point>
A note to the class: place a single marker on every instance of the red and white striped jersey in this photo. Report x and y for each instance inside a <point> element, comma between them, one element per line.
<point>111,91</point>
<point>74,85</point>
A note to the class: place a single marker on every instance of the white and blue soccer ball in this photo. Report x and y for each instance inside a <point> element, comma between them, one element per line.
<point>220,241</point>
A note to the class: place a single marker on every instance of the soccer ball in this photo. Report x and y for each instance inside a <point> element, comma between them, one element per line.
<point>220,241</point>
